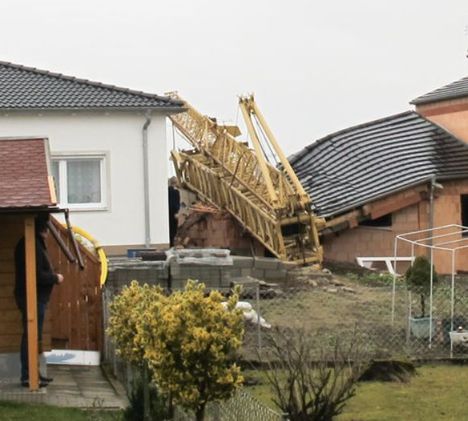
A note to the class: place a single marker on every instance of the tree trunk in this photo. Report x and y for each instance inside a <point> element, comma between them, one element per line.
<point>146,397</point>
<point>423,306</point>
<point>200,413</point>
<point>171,406</point>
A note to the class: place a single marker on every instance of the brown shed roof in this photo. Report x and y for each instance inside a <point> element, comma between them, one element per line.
<point>24,174</point>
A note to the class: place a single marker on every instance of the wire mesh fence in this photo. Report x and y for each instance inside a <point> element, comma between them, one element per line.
<point>340,311</point>
<point>341,307</point>
<point>242,406</point>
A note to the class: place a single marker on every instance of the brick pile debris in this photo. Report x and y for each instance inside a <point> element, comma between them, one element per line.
<point>203,226</point>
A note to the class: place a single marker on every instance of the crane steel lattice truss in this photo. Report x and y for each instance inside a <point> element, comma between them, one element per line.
<point>269,202</point>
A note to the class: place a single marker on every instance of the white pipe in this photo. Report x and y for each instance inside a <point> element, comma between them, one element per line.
<point>395,247</point>
<point>430,311</point>
<point>146,181</point>
<point>452,307</point>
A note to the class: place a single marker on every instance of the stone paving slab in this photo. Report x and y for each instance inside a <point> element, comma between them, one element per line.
<point>83,387</point>
<point>11,390</point>
<point>73,386</point>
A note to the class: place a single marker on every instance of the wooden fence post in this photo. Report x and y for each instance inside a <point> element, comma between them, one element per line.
<point>31,300</point>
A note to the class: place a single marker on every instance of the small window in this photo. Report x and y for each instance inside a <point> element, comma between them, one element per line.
<point>80,181</point>
<point>383,221</point>
<point>464,211</point>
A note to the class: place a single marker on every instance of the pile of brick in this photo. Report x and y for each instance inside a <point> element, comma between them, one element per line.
<point>203,226</point>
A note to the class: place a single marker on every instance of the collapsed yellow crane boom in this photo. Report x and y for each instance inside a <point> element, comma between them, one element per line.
<point>251,111</point>
<point>268,201</point>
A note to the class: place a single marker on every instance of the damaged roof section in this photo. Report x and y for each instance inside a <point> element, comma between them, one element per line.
<point>24,174</point>
<point>360,164</point>
<point>453,90</point>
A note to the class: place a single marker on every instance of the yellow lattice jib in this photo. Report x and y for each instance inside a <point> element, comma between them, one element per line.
<point>268,200</point>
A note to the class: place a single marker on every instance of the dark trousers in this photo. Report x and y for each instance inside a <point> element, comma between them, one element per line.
<point>41,309</point>
<point>172,229</point>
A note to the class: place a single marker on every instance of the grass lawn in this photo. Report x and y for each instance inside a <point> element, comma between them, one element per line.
<point>435,393</point>
<point>12,411</point>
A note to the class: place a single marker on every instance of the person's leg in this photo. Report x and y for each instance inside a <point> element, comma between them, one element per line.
<point>24,346</point>
<point>41,309</point>
<point>172,229</point>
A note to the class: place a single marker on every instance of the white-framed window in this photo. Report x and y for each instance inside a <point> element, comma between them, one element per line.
<point>80,180</point>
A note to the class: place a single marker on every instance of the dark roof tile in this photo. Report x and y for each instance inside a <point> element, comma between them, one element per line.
<point>363,163</point>
<point>26,88</point>
<point>453,90</point>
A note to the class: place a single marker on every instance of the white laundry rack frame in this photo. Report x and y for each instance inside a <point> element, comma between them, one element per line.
<point>433,235</point>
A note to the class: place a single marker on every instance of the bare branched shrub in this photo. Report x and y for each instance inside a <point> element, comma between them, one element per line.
<point>312,381</point>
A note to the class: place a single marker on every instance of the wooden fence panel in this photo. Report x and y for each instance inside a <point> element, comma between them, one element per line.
<point>76,304</point>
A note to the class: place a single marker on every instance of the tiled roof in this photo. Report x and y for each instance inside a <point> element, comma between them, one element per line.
<point>24,174</point>
<point>352,167</point>
<point>453,90</point>
<point>26,88</point>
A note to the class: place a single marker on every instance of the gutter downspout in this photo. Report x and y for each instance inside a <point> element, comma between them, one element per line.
<point>146,180</point>
<point>433,186</point>
<point>431,207</point>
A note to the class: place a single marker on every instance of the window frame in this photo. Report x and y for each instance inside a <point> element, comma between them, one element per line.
<point>378,222</point>
<point>464,211</point>
<point>62,194</point>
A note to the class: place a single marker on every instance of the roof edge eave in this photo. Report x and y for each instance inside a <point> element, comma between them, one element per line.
<point>32,209</point>
<point>377,197</point>
<point>426,101</point>
<point>457,176</point>
<point>167,109</point>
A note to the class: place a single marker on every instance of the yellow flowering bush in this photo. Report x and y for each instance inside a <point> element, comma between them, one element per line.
<point>188,339</point>
<point>125,319</point>
<point>191,343</point>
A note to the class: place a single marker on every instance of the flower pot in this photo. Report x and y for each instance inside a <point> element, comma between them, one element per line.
<point>459,337</point>
<point>419,327</point>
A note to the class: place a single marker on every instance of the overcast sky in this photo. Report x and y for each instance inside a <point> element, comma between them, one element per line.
<point>315,66</point>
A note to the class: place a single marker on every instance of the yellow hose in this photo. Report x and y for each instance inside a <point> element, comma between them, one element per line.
<point>99,250</point>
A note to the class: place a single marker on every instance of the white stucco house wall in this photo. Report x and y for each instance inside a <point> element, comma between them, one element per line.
<point>100,137</point>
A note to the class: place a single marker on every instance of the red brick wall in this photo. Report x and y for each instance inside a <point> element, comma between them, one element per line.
<point>448,211</point>
<point>451,115</point>
<point>372,241</point>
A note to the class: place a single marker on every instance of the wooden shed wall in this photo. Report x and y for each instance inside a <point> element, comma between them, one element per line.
<point>11,230</point>
<point>74,314</point>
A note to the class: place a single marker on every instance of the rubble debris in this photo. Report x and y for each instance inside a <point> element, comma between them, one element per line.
<point>153,255</point>
<point>203,225</point>
<point>203,208</point>
<point>337,283</point>
<point>267,290</point>
<point>205,256</point>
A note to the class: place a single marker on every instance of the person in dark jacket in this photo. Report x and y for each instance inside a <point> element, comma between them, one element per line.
<point>174,206</point>
<point>46,278</point>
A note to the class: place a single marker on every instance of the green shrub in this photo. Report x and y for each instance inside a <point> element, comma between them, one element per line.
<point>158,403</point>
<point>418,279</point>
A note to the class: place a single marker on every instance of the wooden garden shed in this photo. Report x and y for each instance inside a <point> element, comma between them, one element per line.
<point>74,316</point>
